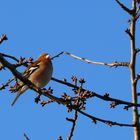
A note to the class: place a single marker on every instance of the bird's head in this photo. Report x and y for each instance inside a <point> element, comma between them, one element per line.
<point>44,56</point>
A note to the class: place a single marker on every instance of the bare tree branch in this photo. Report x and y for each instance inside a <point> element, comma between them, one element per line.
<point>26,137</point>
<point>9,56</point>
<point>137,16</point>
<point>3,86</point>
<point>124,7</point>
<point>18,75</point>
<point>114,64</point>
<point>108,122</point>
<point>132,68</point>
<point>57,55</point>
<point>60,100</point>
<point>129,33</point>
<point>103,97</point>
<point>68,102</point>
<point>3,38</point>
<point>137,50</point>
<point>73,125</point>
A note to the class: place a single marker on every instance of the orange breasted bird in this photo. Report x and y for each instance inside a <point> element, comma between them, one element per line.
<point>39,73</point>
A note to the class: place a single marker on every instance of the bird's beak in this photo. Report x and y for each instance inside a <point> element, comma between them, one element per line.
<point>47,56</point>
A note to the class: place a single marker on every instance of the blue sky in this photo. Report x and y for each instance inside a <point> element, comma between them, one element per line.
<point>90,29</point>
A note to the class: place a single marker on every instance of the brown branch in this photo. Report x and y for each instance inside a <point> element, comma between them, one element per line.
<point>137,16</point>
<point>9,56</point>
<point>3,86</point>
<point>43,103</point>
<point>94,94</point>
<point>3,38</point>
<point>73,125</point>
<point>133,71</point>
<point>60,100</point>
<point>137,13</point>
<point>137,50</point>
<point>21,61</point>
<point>26,137</point>
<point>124,7</point>
<point>129,33</point>
<point>108,122</point>
<point>32,86</point>
<point>116,64</point>
<point>57,55</point>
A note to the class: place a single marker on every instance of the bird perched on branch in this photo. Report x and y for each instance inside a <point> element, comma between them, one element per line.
<point>39,73</point>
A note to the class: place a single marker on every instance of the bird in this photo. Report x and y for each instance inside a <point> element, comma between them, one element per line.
<point>39,73</point>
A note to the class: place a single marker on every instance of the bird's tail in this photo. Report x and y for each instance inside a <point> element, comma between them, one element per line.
<point>15,99</point>
<point>23,89</point>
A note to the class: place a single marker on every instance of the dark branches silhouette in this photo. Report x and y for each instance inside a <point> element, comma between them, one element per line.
<point>3,38</point>
<point>113,64</point>
<point>124,7</point>
<point>26,137</point>
<point>68,101</point>
<point>77,102</point>
<point>73,121</point>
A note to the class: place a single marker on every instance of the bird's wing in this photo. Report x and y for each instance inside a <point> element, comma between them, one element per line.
<point>30,69</point>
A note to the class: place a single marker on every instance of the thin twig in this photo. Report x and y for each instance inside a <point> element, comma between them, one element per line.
<point>3,86</point>
<point>57,55</point>
<point>9,56</point>
<point>73,125</point>
<point>103,97</point>
<point>3,38</point>
<point>26,137</point>
<point>108,122</point>
<point>137,16</point>
<point>114,64</point>
<point>137,50</point>
<point>124,7</point>
<point>129,33</point>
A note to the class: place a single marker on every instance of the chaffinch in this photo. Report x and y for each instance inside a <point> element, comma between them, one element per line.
<point>39,73</point>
